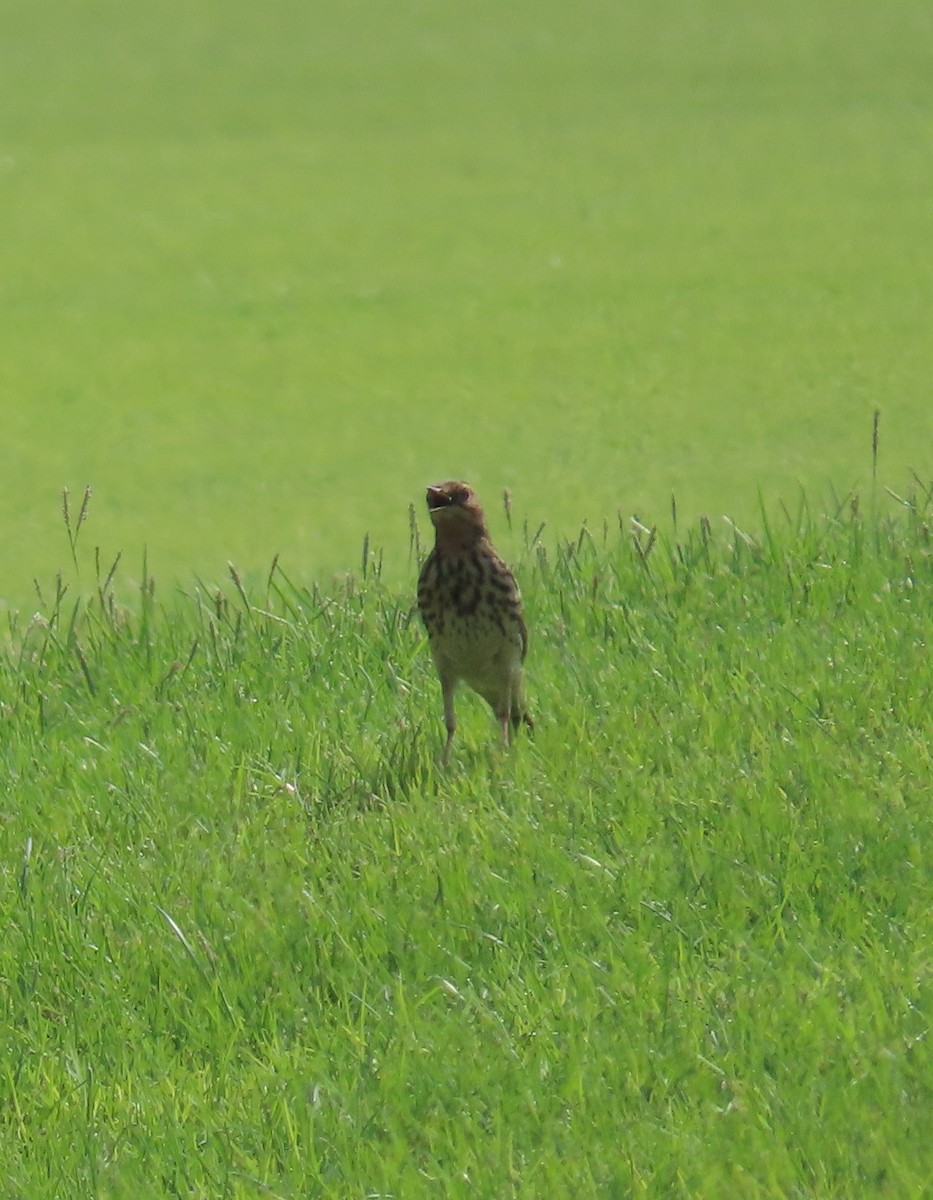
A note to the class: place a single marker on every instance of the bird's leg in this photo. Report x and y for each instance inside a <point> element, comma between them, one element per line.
<point>504,712</point>
<point>449,686</point>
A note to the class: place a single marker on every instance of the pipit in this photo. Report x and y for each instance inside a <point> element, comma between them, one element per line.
<point>472,610</point>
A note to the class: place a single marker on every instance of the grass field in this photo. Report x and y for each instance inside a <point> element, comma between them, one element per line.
<point>259,944</point>
<point>265,271</point>
<point>269,269</point>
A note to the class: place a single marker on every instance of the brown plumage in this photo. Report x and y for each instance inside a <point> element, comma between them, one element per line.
<point>472,610</point>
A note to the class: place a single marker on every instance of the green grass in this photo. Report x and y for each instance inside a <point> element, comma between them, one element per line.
<point>257,943</point>
<point>269,269</point>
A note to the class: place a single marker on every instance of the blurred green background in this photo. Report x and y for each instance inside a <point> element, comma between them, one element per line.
<point>266,270</point>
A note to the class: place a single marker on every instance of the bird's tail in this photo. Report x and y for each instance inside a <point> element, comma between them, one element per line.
<point>521,716</point>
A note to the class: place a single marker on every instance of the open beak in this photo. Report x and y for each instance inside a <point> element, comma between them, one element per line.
<point>437,499</point>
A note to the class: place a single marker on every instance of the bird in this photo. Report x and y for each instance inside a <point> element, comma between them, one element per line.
<point>471,607</point>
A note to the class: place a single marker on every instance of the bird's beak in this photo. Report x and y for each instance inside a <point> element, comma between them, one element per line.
<point>436,499</point>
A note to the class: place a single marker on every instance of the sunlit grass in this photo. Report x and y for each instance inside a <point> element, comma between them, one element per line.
<point>259,943</point>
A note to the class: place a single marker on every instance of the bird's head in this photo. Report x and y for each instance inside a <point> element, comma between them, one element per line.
<point>455,511</point>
